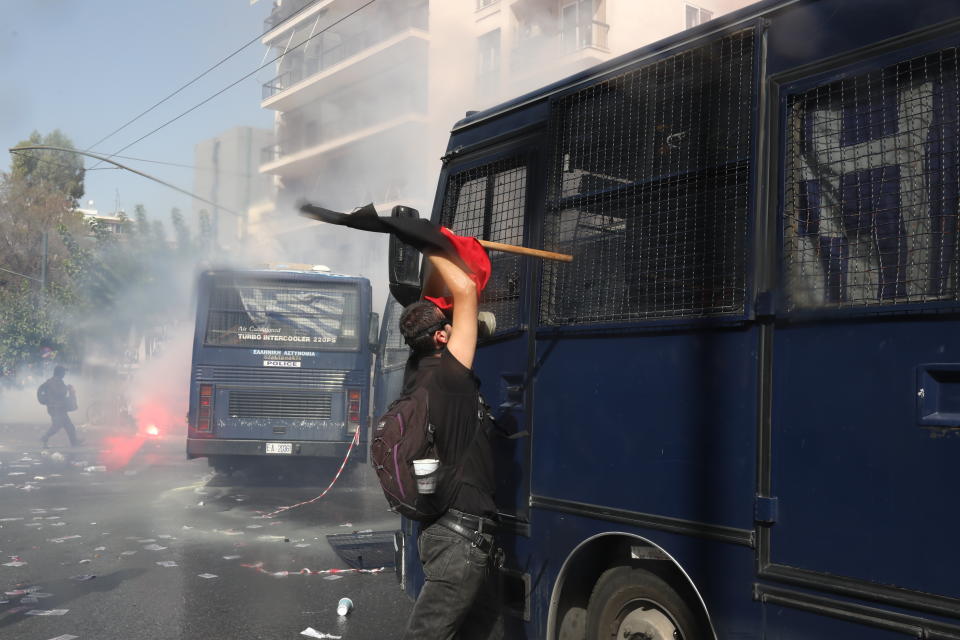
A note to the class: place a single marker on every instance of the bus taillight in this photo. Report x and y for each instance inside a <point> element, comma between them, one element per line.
<point>206,408</point>
<point>353,410</point>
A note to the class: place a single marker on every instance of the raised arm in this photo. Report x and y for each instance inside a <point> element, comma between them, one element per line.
<point>462,342</point>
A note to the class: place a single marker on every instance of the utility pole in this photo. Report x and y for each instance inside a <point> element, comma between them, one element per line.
<point>43,265</point>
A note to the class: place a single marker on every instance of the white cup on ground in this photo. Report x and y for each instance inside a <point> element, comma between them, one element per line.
<point>344,607</point>
<point>425,467</point>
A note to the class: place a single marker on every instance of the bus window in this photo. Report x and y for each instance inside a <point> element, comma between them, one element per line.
<point>654,211</point>
<point>264,314</point>
<point>870,203</point>
<point>488,202</point>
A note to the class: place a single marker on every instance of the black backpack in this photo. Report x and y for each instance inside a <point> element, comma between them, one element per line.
<point>404,434</point>
<point>42,396</point>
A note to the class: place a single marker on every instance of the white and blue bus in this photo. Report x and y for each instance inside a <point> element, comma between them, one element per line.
<point>281,365</point>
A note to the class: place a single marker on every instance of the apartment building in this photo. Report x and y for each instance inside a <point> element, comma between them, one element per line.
<point>228,174</point>
<point>365,93</point>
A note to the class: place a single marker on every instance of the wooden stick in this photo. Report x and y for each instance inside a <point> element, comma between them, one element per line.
<point>525,251</point>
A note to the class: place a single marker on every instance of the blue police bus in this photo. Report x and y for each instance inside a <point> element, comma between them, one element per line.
<point>743,396</point>
<point>281,365</point>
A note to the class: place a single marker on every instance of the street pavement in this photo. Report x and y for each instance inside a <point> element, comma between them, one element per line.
<point>118,540</point>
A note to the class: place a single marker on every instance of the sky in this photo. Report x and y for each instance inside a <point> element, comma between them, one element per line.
<point>86,67</point>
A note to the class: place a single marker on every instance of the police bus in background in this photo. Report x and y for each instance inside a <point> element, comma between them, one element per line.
<point>743,396</point>
<point>281,365</point>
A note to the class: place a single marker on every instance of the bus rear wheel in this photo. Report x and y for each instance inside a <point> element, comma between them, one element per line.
<point>629,603</point>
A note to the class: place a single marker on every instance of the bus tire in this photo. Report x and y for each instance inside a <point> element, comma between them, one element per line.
<point>631,602</point>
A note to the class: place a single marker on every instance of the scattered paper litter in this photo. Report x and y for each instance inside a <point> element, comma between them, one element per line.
<point>166,536</point>
<point>127,553</point>
<point>63,539</point>
<point>334,577</point>
<point>29,600</point>
<point>154,547</point>
<point>99,548</point>
<point>254,526</point>
<point>347,524</point>
<point>15,563</point>
<point>10,519</point>
<point>84,561</point>
<point>230,557</point>
<point>310,632</point>
<point>58,524</point>
<point>59,508</point>
<point>167,563</point>
<point>65,636</point>
<point>302,545</point>
<point>47,612</point>
<point>147,540</point>
<point>208,576</point>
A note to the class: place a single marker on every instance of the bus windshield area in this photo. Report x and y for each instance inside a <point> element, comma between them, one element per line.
<point>275,314</point>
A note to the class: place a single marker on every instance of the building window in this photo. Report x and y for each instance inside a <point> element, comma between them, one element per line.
<point>581,25</point>
<point>483,4</point>
<point>488,54</point>
<point>695,15</point>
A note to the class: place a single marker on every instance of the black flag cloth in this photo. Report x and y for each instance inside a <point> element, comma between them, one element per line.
<point>421,234</point>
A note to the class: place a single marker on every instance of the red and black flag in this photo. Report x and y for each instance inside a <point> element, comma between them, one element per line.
<point>421,234</point>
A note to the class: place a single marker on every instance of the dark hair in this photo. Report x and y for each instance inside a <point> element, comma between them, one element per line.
<point>418,322</point>
<point>59,371</point>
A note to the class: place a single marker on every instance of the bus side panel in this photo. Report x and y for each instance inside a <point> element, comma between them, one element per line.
<point>659,424</point>
<point>782,623</point>
<point>722,573</point>
<point>864,488</point>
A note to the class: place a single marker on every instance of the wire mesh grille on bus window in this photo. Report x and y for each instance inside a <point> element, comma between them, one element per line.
<point>648,189</point>
<point>395,350</point>
<point>488,202</point>
<point>276,315</point>
<point>872,175</point>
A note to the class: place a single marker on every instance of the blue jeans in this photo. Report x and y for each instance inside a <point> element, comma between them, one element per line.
<point>460,598</point>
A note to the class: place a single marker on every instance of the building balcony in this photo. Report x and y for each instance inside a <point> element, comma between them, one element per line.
<point>590,36</point>
<point>280,20</point>
<point>579,47</point>
<point>298,154</point>
<point>328,70</point>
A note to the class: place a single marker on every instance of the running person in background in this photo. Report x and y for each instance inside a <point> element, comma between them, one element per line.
<point>459,598</point>
<point>59,398</point>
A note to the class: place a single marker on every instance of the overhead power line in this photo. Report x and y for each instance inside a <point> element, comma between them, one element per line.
<point>96,156</point>
<point>233,84</point>
<point>191,82</point>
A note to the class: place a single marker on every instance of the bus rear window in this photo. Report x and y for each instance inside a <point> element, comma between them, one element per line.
<point>263,314</point>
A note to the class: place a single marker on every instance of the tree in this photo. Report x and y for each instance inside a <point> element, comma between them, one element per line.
<point>56,171</point>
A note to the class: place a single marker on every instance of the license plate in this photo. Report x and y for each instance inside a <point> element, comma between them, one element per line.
<point>279,447</point>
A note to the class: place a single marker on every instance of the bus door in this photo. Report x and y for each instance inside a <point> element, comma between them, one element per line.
<point>392,357</point>
<point>486,197</point>
<point>865,360</point>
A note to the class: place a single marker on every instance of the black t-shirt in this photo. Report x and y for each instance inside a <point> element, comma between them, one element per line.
<point>453,393</point>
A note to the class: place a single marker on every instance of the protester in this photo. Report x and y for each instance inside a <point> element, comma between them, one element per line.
<point>59,398</point>
<point>459,597</point>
